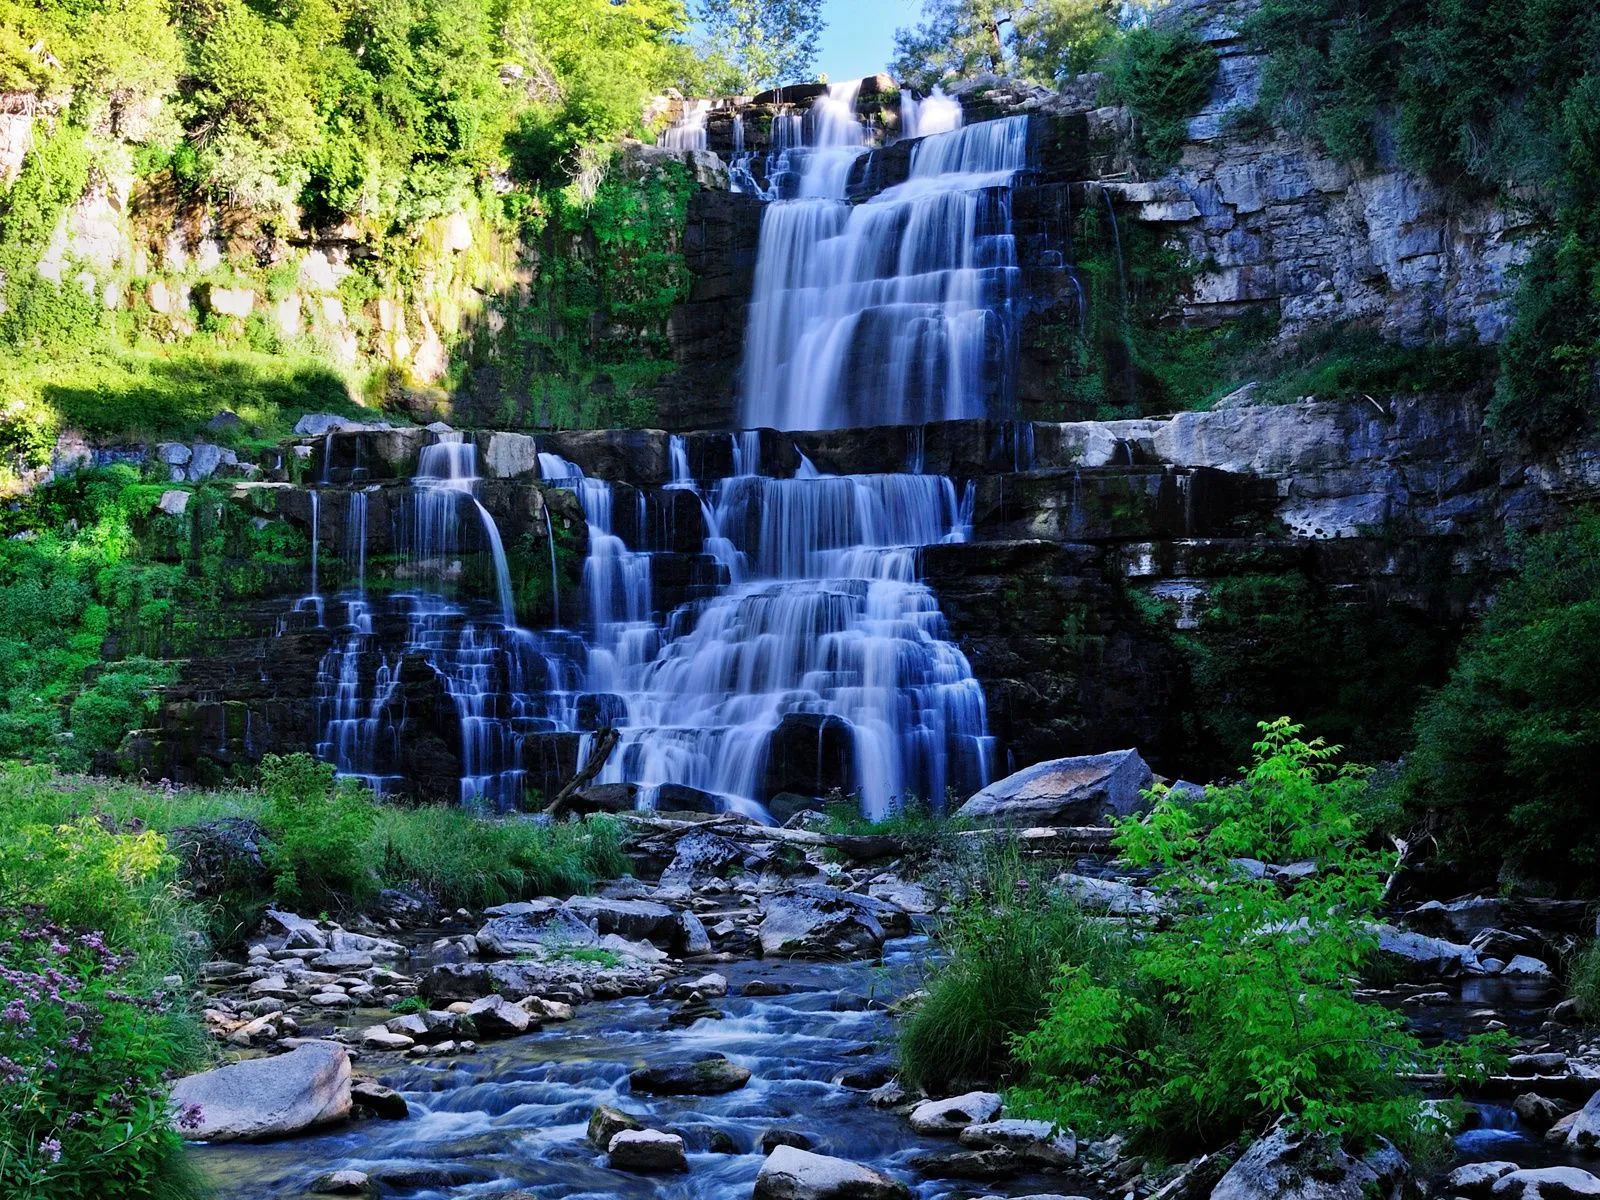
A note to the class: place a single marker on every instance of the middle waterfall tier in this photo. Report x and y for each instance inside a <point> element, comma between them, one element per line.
<point>810,657</point>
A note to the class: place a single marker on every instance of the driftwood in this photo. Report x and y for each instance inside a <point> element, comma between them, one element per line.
<point>604,743</point>
<point>864,847</point>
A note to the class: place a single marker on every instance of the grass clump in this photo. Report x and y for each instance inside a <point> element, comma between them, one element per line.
<point>1005,939</point>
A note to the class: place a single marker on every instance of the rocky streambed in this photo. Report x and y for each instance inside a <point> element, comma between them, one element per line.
<point>727,1032</point>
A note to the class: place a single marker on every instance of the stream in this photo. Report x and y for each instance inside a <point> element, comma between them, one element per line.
<point>513,1115</point>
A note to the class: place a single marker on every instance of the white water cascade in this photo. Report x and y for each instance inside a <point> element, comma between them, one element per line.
<point>689,131</point>
<point>894,311</point>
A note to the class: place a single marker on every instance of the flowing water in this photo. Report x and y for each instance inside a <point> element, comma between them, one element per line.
<point>513,1116</point>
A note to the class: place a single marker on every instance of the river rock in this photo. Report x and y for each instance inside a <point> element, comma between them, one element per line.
<point>689,936</point>
<point>1293,1166</point>
<point>1527,966</point>
<point>793,1174</point>
<point>1537,1112</point>
<point>1064,791</point>
<point>1108,895</point>
<point>1547,1183</point>
<point>1419,956</point>
<point>1037,1141</point>
<point>379,1038</point>
<point>343,1183</point>
<point>701,858</point>
<point>289,931</point>
<point>269,1097</point>
<point>606,1122</point>
<point>950,1117</point>
<point>533,926</point>
<point>496,1017</point>
<point>967,1164</point>
<point>647,1152</point>
<point>1459,920</point>
<point>382,1102</point>
<point>1584,1133</point>
<point>819,922</point>
<point>637,920</point>
<point>709,1076</point>
<point>1477,1180</point>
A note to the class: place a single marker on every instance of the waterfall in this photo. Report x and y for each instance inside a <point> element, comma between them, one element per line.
<point>688,132</point>
<point>935,113</point>
<point>895,311</point>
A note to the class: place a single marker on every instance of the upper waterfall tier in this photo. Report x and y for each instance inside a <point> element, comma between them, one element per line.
<point>896,311</point>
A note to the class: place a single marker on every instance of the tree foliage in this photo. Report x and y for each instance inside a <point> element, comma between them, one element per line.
<point>1505,750</point>
<point>751,44</point>
<point>1496,94</point>
<point>1239,1009</point>
<point>1044,41</point>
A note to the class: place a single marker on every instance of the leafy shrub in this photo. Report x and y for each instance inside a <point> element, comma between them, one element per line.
<point>1005,940</point>
<point>1505,750</point>
<point>1164,76</point>
<point>321,829</point>
<point>1240,1009</point>
<point>91,924</point>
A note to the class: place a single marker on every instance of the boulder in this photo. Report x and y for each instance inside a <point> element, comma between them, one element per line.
<point>1036,1141</point>
<point>382,1102</point>
<point>967,1164</point>
<point>1064,791</point>
<point>647,1152</point>
<point>794,1174</point>
<point>268,1097</point>
<point>680,797</point>
<point>532,927</point>
<point>1584,1133</point>
<point>1537,1112</point>
<point>1546,1183</point>
<point>174,503</point>
<point>820,922</point>
<point>496,1017</point>
<point>342,1183</point>
<point>1477,1180</point>
<point>1293,1166</point>
<point>606,1122</point>
<point>1419,956</point>
<point>950,1117</point>
<point>289,931</point>
<point>379,1038</point>
<point>689,936</point>
<point>1459,920</point>
<point>637,920</point>
<point>612,798</point>
<point>1109,895</point>
<point>708,1076</point>
<point>701,858</point>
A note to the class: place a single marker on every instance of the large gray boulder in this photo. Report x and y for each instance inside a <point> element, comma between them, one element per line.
<point>1418,956</point>
<point>647,1152</point>
<point>709,1076</point>
<point>793,1174</point>
<point>951,1116</point>
<point>532,927</point>
<point>820,922</point>
<point>636,920</point>
<point>1547,1183</point>
<point>1064,791</point>
<point>1292,1166</point>
<point>267,1097</point>
<point>1584,1132</point>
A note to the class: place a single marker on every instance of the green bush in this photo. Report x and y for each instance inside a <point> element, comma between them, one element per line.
<point>1005,940</point>
<point>92,925</point>
<point>1583,979</point>
<point>1164,77</point>
<point>1506,749</point>
<point>321,830</point>
<point>1239,1009</point>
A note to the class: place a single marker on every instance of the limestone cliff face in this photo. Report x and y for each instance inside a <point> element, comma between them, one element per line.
<point>1323,240</point>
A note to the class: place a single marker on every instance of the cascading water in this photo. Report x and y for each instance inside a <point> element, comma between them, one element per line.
<point>689,131</point>
<point>897,310</point>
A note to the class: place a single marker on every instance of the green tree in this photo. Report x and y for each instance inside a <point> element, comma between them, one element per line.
<point>1044,41</point>
<point>760,43</point>
<point>1505,750</point>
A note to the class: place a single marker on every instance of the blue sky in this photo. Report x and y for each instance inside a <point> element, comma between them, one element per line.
<point>859,39</point>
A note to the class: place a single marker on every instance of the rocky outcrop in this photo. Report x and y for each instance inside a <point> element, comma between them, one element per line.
<point>267,1097</point>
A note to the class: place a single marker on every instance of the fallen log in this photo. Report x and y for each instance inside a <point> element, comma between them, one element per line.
<point>604,743</point>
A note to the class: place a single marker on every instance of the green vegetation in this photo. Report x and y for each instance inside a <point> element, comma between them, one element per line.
<point>1043,41</point>
<point>1502,96</point>
<point>752,44</point>
<point>98,588</point>
<point>1005,939</point>
<point>1236,1010</point>
<point>91,924</point>
<point>1164,77</point>
<point>1583,978</point>
<point>1504,750</point>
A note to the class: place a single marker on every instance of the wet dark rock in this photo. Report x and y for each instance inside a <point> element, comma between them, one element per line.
<point>1537,1112</point>
<point>709,1076</point>
<point>382,1102</point>
<point>809,754</point>
<point>968,1164</point>
<point>606,1122</point>
<point>441,1175</point>
<point>771,1139</point>
<point>865,1079</point>
<point>606,798</point>
<point>702,858</point>
<point>766,987</point>
<point>343,1183</point>
<point>679,797</point>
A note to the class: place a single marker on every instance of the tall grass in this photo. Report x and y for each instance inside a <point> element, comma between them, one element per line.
<point>1007,940</point>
